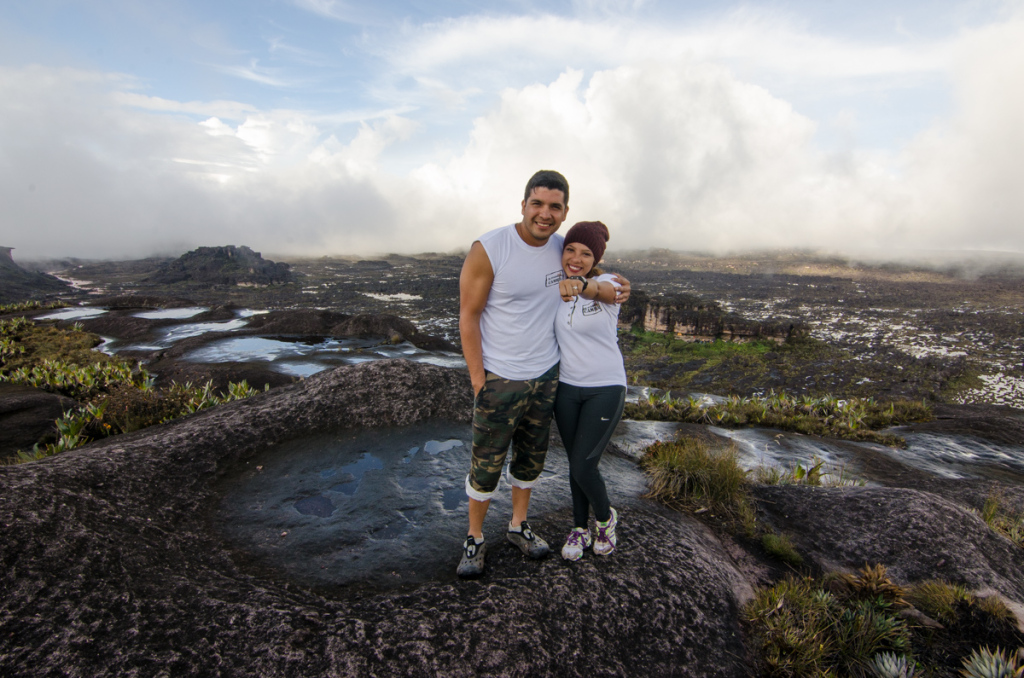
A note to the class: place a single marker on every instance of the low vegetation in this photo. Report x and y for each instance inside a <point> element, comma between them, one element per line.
<point>23,306</point>
<point>1008,523</point>
<point>853,418</point>
<point>691,474</point>
<point>859,625</point>
<point>865,625</point>
<point>114,396</point>
<point>803,366</point>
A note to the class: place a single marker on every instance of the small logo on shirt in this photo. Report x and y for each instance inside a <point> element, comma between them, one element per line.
<point>553,279</point>
<point>591,308</point>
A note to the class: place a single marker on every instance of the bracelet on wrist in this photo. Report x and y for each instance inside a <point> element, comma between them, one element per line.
<point>581,279</point>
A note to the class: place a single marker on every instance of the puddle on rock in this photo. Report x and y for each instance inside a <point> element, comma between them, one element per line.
<point>171,313</point>
<point>384,507</point>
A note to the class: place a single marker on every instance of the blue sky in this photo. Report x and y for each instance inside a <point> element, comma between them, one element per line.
<point>327,127</point>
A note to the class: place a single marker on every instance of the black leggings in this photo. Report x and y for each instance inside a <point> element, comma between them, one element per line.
<point>586,418</point>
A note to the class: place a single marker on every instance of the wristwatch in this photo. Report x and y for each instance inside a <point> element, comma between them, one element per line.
<point>581,279</point>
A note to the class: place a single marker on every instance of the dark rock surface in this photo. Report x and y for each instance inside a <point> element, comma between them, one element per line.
<point>18,284</point>
<point>26,417</point>
<point>111,568</point>
<point>330,324</point>
<point>917,535</point>
<point>227,265</point>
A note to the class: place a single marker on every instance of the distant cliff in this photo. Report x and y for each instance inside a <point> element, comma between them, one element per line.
<point>17,284</point>
<point>228,265</point>
<point>692,319</point>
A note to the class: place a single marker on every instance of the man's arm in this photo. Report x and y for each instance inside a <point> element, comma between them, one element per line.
<point>623,292</point>
<point>474,288</point>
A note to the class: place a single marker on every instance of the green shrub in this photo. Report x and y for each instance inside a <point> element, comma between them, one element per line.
<point>23,306</point>
<point>802,629</point>
<point>76,381</point>
<point>986,663</point>
<point>854,418</point>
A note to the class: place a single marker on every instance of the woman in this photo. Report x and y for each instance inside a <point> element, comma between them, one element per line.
<point>591,383</point>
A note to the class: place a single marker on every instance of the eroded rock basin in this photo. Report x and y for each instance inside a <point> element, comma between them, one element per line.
<point>381,507</point>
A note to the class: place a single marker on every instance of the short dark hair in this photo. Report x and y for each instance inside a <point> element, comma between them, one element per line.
<point>547,179</point>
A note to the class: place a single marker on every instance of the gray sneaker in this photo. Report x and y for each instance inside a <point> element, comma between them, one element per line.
<point>527,542</point>
<point>472,564</point>
<point>605,541</point>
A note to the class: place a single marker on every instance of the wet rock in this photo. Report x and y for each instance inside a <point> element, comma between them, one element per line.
<point>110,566</point>
<point>140,301</point>
<point>302,322</point>
<point>916,535</point>
<point>998,423</point>
<point>27,417</point>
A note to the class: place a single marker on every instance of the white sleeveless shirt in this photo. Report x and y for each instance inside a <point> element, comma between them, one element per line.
<point>517,324</point>
<point>590,347</point>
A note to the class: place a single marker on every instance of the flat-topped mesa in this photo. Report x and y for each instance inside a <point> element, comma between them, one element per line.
<point>692,319</point>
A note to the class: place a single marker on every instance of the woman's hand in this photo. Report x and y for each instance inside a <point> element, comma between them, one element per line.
<point>569,289</point>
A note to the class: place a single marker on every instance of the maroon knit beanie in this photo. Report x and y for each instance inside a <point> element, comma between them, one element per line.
<point>593,234</point>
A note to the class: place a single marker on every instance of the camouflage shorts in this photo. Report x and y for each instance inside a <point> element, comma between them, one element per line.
<point>516,412</point>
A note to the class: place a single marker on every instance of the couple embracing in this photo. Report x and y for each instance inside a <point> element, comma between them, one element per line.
<point>538,320</point>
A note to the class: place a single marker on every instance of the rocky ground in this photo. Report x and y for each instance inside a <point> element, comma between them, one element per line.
<point>113,563</point>
<point>964,328</point>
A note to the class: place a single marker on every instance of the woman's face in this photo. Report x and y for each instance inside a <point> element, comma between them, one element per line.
<point>577,259</point>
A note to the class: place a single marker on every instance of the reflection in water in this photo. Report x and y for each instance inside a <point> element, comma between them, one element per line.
<point>171,313</point>
<point>386,506</point>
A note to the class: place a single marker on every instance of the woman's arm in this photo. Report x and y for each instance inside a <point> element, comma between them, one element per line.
<point>599,290</point>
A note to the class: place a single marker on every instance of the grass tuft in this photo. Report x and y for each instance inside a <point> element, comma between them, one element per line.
<point>939,599</point>
<point>781,546</point>
<point>689,472</point>
<point>1008,523</point>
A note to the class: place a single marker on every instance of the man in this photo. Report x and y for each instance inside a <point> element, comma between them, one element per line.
<point>508,300</point>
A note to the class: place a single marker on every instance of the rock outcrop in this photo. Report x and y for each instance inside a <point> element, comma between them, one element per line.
<point>110,567</point>
<point>228,265</point>
<point>27,417</point>
<point>691,319</point>
<point>17,284</point>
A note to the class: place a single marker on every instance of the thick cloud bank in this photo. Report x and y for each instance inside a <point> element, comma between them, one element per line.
<point>681,154</point>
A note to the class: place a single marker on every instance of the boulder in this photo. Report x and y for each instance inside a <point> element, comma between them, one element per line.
<point>916,535</point>
<point>27,417</point>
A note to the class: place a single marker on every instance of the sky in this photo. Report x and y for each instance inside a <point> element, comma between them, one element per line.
<point>328,127</point>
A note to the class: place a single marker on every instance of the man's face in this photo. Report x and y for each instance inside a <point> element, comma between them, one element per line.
<point>543,212</point>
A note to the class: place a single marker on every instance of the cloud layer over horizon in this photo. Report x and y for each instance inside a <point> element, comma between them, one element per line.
<point>683,139</point>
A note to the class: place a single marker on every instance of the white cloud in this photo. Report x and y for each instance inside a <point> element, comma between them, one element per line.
<point>669,151</point>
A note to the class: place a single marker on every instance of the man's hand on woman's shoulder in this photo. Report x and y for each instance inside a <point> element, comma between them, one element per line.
<point>622,293</point>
